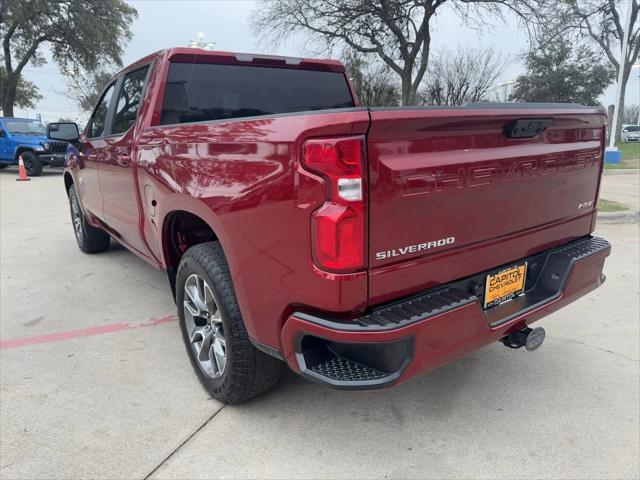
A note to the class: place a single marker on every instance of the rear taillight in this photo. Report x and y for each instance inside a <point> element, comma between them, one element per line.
<point>338,226</point>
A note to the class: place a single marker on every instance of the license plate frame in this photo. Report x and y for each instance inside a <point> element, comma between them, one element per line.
<point>505,284</point>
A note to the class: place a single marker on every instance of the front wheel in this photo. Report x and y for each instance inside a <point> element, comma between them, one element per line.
<point>90,239</point>
<point>32,163</point>
<point>229,367</point>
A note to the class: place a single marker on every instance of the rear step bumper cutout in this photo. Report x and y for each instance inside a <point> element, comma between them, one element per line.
<point>353,365</point>
<point>397,341</point>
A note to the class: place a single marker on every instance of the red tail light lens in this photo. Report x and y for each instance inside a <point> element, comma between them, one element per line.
<point>338,226</point>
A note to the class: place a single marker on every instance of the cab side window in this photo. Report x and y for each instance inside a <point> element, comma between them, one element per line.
<point>98,122</point>
<point>129,100</point>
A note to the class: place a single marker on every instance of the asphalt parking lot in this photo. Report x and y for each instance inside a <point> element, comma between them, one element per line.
<point>95,382</point>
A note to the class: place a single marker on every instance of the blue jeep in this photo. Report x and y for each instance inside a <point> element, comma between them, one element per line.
<point>27,137</point>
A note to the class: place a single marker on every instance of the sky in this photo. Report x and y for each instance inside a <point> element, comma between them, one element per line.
<point>169,23</point>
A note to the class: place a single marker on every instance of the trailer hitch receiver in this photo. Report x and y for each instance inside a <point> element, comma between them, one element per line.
<point>530,339</point>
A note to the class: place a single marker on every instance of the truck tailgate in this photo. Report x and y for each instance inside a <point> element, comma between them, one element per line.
<point>453,192</point>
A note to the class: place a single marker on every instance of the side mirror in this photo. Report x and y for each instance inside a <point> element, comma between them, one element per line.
<point>63,131</point>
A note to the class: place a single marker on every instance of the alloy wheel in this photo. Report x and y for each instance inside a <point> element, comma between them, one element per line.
<point>76,217</point>
<point>204,327</point>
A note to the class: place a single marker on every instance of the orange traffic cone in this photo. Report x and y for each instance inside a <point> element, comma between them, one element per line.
<point>22,173</point>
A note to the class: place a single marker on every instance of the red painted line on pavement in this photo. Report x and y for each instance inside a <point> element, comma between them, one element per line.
<point>83,332</point>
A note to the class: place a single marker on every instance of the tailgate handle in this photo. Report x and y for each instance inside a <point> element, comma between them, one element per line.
<point>526,127</point>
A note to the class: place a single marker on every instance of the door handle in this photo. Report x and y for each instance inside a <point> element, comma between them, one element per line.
<point>124,160</point>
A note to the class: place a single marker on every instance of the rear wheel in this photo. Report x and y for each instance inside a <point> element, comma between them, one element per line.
<point>3,166</point>
<point>32,163</point>
<point>90,239</point>
<point>229,367</point>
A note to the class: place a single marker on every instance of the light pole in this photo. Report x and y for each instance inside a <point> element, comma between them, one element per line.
<point>637,66</point>
<point>612,155</point>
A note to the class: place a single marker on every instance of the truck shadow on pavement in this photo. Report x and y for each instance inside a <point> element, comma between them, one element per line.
<point>438,392</point>
<point>473,406</point>
<point>435,390</point>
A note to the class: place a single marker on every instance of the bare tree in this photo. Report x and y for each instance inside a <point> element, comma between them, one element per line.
<point>631,114</point>
<point>603,22</point>
<point>460,76</point>
<point>397,31</point>
<point>373,82</point>
<point>85,89</point>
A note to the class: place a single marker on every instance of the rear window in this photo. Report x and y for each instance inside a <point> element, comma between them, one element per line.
<point>199,92</point>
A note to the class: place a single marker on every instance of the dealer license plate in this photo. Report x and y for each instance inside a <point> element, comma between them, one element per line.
<point>504,285</point>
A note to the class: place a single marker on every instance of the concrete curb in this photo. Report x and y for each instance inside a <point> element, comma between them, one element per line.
<point>618,217</point>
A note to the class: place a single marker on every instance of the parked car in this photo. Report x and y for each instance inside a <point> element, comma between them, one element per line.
<point>630,133</point>
<point>27,137</point>
<point>360,246</point>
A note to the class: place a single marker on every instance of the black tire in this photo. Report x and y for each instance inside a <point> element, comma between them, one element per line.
<point>32,163</point>
<point>90,239</point>
<point>248,371</point>
<point>3,166</point>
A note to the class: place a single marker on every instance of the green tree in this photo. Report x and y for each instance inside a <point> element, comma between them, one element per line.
<point>78,33</point>
<point>26,92</point>
<point>602,23</point>
<point>556,72</point>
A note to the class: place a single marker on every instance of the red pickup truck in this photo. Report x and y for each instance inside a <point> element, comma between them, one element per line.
<point>360,246</point>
